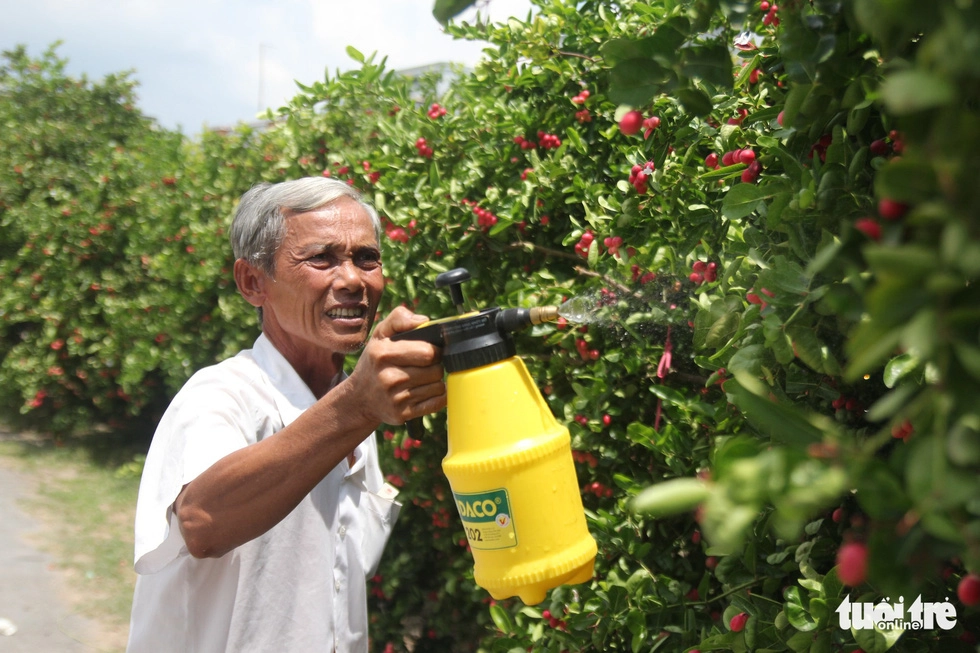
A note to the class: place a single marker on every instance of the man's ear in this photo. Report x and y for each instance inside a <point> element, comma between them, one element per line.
<point>251,282</point>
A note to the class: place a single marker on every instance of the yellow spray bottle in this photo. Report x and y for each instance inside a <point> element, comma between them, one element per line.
<point>509,462</point>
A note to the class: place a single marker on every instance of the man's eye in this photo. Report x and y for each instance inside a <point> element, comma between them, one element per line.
<point>368,260</point>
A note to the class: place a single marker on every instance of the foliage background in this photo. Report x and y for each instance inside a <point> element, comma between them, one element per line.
<point>732,429</point>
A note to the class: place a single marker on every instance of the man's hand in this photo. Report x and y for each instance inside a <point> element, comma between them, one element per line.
<point>399,380</point>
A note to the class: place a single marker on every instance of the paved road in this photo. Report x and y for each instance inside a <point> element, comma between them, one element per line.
<point>32,597</point>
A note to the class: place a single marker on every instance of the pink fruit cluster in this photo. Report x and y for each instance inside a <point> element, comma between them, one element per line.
<point>399,234</point>
<point>402,452</point>
<point>586,457</point>
<point>639,174</point>
<point>613,243</point>
<point>553,621</point>
<point>770,18</point>
<point>581,97</point>
<point>852,563</point>
<point>583,244</point>
<point>820,147</point>
<point>968,590</point>
<point>737,623</point>
<point>869,227</point>
<point>702,272</point>
<point>893,144</point>
<point>850,404</point>
<point>633,121</point>
<point>903,431</point>
<point>435,111</point>
<point>586,354</point>
<point>484,218</point>
<point>598,489</point>
<point>545,140</point>
<point>754,298</point>
<point>888,209</point>
<point>423,148</point>
<point>641,276</point>
<point>583,116</point>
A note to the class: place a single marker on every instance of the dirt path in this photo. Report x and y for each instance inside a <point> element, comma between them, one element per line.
<point>38,608</point>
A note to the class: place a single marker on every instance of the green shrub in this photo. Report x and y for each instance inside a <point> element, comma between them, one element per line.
<point>783,353</point>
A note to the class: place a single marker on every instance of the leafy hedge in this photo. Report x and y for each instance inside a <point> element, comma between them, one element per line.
<point>781,250</point>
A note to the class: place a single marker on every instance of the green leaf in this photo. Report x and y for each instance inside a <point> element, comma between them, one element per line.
<point>907,180</point>
<point>782,423</point>
<point>694,100</point>
<point>710,62</point>
<point>873,640</point>
<point>355,54</point>
<point>797,614</point>
<point>501,619</point>
<point>909,91</point>
<point>812,351</point>
<point>636,81</point>
<point>444,10</point>
<point>742,200</point>
<point>899,367</point>
<point>670,497</point>
<point>664,43</point>
<point>908,261</point>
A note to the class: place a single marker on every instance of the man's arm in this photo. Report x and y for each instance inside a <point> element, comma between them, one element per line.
<point>249,491</point>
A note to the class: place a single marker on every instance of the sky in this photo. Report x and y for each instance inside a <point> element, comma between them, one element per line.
<point>214,63</point>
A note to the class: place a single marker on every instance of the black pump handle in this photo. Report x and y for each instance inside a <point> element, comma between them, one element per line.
<point>454,279</point>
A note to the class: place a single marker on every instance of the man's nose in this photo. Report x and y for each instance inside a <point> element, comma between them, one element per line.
<point>348,274</point>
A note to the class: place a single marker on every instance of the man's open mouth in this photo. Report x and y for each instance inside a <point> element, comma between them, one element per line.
<point>348,312</point>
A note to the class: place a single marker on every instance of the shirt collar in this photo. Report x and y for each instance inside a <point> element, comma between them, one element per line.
<point>292,395</point>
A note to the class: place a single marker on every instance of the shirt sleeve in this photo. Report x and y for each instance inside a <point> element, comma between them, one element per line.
<point>211,417</point>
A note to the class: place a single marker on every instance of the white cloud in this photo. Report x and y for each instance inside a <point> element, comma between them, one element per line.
<point>198,61</point>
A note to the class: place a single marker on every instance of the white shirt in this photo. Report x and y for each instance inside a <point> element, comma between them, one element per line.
<point>299,587</point>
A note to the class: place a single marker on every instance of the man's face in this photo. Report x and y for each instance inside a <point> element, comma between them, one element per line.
<point>328,282</point>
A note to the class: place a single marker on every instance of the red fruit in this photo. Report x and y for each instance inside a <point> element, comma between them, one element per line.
<point>711,562</point>
<point>631,123</point>
<point>737,623</point>
<point>852,563</point>
<point>696,278</point>
<point>891,210</point>
<point>649,125</point>
<point>728,158</point>
<point>869,227</point>
<point>969,590</point>
<point>711,161</point>
<point>699,266</point>
<point>745,156</point>
<point>880,147</point>
<point>606,420</point>
<point>779,118</point>
<point>837,515</point>
<point>751,174</point>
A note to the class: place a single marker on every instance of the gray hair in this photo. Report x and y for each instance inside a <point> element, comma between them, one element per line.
<point>259,225</point>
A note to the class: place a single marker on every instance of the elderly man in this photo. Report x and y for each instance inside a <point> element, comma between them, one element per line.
<point>262,509</point>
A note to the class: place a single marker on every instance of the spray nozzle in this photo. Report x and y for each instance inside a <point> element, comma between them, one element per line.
<point>515,319</point>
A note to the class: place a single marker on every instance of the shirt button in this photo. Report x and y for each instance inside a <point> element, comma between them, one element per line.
<point>342,531</point>
<point>336,585</point>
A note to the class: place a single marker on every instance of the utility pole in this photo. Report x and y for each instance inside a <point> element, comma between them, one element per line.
<point>262,48</point>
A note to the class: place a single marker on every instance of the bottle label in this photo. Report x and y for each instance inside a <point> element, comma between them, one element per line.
<point>487,519</point>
